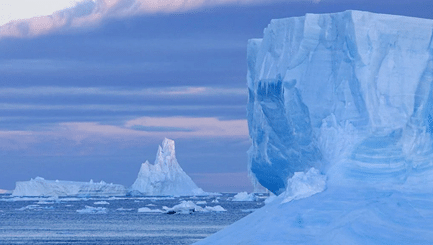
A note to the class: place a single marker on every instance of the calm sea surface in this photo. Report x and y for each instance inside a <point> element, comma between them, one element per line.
<point>45,221</point>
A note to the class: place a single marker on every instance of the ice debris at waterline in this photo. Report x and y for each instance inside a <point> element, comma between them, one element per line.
<point>41,187</point>
<point>165,177</point>
<point>92,210</point>
<point>189,207</point>
<point>349,94</point>
<point>148,210</point>
<point>244,197</point>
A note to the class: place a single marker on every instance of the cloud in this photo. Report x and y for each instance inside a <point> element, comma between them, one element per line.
<point>107,91</point>
<point>193,127</point>
<point>16,140</point>
<point>130,133</point>
<point>13,9</point>
<point>156,127</point>
<point>87,13</point>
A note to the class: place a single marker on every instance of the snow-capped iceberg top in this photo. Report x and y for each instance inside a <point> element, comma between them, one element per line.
<point>165,176</point>
<point>41,187</point>
<point>352,87</point>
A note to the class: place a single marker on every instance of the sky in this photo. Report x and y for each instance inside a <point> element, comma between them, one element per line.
<point>90,88</point>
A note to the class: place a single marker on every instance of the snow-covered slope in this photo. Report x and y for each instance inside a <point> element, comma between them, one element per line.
<point>165,176</point>
<point>41,187</point>
<point>349,94</point>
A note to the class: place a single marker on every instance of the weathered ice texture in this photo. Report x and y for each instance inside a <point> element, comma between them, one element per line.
<point>341,118</point>
<point>165,177</point>
<point>352,87</point>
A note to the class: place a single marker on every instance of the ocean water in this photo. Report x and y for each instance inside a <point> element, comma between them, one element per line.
<point>56,221</point>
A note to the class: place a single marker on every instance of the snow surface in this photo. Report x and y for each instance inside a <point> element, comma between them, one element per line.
<point>41,187</point>
<point>303,185</point>
<point>165,177</point>
<point>348,94</point>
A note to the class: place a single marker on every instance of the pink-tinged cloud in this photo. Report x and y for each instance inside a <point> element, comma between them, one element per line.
<point>16,140</point>
<point>190,126</point>
<point>131,133</point>
<point>150,127</point>
<point>87,13</point>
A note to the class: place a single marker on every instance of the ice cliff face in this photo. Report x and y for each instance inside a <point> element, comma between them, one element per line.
<point>41,187</point>
<point>348,93</point>
<point>165,177</point>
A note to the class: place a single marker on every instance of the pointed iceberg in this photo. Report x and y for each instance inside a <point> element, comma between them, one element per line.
<point>165,177</point>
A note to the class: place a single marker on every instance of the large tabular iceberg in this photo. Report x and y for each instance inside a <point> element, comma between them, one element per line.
<point>165,177</point>
<point>349,94</point>
<point>41,187</point>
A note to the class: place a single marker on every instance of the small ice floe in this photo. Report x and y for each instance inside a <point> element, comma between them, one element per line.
<point>116,198</point>
<point>101,203</point>
<point>244,197</point>
<point>150,205</point>
<point>201,202</point>
<point>29,207</point>
<point>43,202</point>
<point>34,207</point>
<point>216,208</point>
<point>215,201</point>
<point>148,210</point>
<point>189,207</point>
<point>92,210</point>
<point>73,199</point>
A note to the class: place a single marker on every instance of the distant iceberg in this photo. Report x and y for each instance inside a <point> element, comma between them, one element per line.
<point>165,177</point>
<point>244,197</point>
<point>41,187</point>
